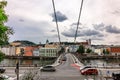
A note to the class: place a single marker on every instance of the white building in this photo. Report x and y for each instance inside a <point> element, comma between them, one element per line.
<point>49,52</point>
<point>36,52</point>
<point>8,50</point>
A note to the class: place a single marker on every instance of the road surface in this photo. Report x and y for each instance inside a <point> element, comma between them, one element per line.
<point>67,70</point>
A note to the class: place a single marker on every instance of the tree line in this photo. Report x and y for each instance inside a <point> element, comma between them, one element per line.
<point>5,31</point>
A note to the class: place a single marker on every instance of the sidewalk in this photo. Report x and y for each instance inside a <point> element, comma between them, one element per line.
<point>76,61</point>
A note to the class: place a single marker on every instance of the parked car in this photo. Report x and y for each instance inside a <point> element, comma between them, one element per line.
<point>48,68</point>
<point>84,67</point>
<point>116,76</point>
<point>2,70</point>
<point>89,71</point>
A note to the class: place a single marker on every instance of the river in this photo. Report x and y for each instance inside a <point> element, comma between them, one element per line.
<point>25,62</point>
<point>98,62</point>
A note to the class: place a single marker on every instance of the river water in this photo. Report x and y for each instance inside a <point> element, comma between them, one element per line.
<point>102,62</point>
<point>25,62</point>
<point>98,62</point>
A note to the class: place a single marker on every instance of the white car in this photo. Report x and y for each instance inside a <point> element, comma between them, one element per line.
<point>84,67</point>
<point>47,68</point>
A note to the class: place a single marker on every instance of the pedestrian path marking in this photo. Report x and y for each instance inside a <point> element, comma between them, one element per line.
<point>76,66</point>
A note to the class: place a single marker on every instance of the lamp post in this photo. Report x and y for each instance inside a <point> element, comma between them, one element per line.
<point>17,70</point>
<point>17,64</point>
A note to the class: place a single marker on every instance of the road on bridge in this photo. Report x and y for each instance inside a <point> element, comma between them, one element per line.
<point>67,70</point>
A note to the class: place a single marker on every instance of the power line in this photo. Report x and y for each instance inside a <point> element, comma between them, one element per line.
<point>78,21</point>
<point>56,21</point>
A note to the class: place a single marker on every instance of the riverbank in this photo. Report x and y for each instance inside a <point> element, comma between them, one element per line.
<point>30,57</point>
<point>97,56</point>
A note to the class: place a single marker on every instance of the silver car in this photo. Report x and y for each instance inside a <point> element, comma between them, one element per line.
<point>48,68</point>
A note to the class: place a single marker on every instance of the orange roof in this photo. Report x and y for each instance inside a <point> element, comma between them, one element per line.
<point>115,49</point>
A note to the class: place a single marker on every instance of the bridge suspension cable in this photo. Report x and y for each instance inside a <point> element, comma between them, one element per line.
<point>78,21</point>
<point>56,21</point>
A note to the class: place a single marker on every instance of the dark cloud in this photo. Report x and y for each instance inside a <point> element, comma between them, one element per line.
<point>112,29</point>
<point>60,17</point>
<point>100,35</point>
<point>53,31</point>
<point>74,24</point>
<point>71,33</point>
<point>90,32</point>
<point>99,26</point>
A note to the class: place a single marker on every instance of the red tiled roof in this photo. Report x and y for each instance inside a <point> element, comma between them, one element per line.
<point>115,49</point>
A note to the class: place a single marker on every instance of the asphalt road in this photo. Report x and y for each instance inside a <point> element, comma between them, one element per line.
<point>66,71</point>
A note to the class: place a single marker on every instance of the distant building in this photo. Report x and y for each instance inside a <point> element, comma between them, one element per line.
<point>36,52</point>
<point>115,50</point>
<point>8,50</point>
<point>75,46</point>
<point>28,51</point>
<point>98,51</point>
<point>49,52</point>
<point>53,45</point>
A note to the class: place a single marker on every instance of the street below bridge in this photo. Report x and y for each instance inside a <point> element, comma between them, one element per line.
<point>66,70</point>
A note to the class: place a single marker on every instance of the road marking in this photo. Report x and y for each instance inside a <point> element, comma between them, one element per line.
<point>76,66</point>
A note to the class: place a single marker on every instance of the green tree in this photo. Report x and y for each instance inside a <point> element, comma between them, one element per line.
<point>88,50</point>
<point>105,51</point>
<point>1,56</point>
<point>5,31</point>
<point>81,49</point>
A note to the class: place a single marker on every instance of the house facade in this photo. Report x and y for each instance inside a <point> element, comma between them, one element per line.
<point>49,52</point>
<point>115,50</point>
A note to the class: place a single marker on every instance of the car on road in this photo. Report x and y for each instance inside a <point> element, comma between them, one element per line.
<point>89,71</point>
<point>48,68</point>
<point>2,70</point>
<point>64,58</point>
<point>84,67</point>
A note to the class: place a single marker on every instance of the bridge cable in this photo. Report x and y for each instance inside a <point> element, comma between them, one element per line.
<point>78,21</point>
<point>56,21</point>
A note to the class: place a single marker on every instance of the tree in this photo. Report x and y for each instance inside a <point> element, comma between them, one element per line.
<point>1,56</point>
<point>88,50</point>
<point>5,31</point>
<point>105,51</point>
<point>81,49</point>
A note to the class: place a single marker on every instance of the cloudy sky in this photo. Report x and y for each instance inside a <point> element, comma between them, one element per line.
<point>33,20</point>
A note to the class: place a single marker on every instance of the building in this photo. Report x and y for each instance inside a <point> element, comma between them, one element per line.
<point>73,47</point>
<point>28,51</point>
<point>115,50</point>
<point>49,52</point>
<point>36,52</point>
<point>98,51</point>
<point>8,50</point>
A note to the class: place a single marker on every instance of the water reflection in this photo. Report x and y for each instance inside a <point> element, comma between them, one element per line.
<point>102,62</point>
<point>12,62</point>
